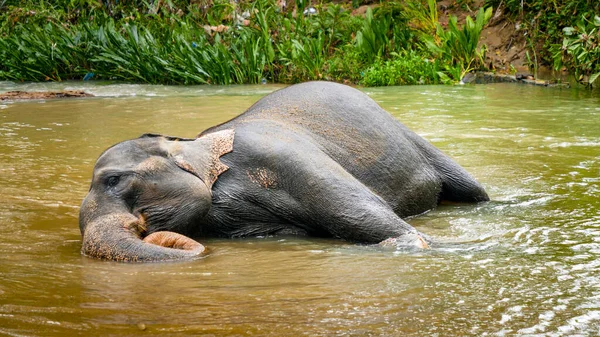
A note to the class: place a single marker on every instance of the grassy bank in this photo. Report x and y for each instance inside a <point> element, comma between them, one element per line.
<point>561,34</point>
<point>224,42</point>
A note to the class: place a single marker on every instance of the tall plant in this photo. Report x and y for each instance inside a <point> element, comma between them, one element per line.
<point>306,58</point>
<point>580,50</point>
<point>424,19</point>
<point>372,38</point>
<point>458,46</point>
<point>265,18</point>
<point>36,53</point>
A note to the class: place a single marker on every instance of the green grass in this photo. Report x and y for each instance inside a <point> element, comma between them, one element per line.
<point>408,68</point>
<point>174,44</point>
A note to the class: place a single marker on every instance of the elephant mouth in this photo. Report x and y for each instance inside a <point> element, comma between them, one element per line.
<point>175,241</point>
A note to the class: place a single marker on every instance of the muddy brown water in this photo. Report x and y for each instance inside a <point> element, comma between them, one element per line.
<point>525,264</point>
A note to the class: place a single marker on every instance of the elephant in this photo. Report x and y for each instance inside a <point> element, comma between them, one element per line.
<point>317,158</point>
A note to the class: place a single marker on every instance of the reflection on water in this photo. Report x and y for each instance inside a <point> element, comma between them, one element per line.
<point>525,263</point>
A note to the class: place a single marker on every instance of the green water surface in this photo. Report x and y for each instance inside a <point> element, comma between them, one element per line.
<point>525,264</point>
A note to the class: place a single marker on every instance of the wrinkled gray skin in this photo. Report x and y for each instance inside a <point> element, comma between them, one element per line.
<point>316,158</point>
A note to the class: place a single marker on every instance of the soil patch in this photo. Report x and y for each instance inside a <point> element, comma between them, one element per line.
<point>506,43</point>
<point>26,95</point>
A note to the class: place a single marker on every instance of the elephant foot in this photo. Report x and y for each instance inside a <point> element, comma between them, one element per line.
<point>408,241</point>
<point>174,240</point>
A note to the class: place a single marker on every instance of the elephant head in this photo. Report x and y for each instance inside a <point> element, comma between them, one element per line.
<point>149,194</point>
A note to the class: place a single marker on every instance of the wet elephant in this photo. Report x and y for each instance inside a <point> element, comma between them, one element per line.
<point>316,158</point>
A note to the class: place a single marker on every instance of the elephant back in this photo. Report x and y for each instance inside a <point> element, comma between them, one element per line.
<point>350,126</point>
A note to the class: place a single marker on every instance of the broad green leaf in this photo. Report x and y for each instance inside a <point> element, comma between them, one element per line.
<point>569,31</point>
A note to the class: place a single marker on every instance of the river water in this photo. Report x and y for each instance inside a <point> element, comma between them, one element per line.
<point>525,264</point>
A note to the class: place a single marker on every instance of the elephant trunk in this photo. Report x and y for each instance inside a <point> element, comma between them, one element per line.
<point>117,237</point>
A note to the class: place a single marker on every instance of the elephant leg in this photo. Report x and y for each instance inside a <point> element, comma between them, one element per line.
<point>334,200</point>
<point>457,184</point>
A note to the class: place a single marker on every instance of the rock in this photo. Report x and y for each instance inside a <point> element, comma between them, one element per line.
<point>469,78</point>
<point>23,95</point>
<point>524,76</point>
<point>487,77</point>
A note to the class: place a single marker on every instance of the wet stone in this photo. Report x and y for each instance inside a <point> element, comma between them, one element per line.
<point>31,95</point>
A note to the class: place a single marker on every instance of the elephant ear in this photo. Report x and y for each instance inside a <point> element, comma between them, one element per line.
<point>201,156</point>
<point>221,143</point>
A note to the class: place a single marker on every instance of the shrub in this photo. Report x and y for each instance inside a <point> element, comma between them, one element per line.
<point>542,21</point>
<point>405,68</point>
<point>383,32</point>
<point>580,50</point>
<point>456,46</point>
<point>169,42</point>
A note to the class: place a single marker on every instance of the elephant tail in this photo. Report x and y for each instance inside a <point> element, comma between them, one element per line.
<point>457,184</point>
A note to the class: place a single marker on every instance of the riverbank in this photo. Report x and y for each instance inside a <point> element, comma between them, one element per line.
<point>218,42</point>
<point>29,95</point>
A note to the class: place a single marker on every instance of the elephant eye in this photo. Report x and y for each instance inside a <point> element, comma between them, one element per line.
<point>112,181</point>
